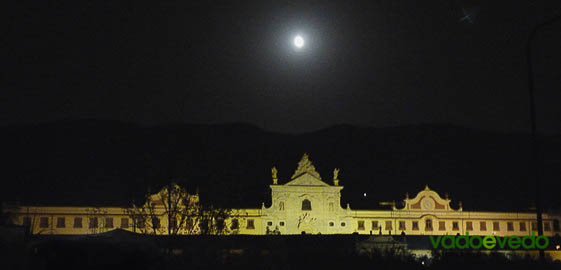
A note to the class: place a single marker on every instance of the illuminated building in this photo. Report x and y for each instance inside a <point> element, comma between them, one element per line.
<point>306,204</point>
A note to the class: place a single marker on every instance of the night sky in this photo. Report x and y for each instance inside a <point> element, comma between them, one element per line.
<point>368,63</point>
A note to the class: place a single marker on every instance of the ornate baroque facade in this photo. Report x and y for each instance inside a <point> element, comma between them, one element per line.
<point>307,204</point>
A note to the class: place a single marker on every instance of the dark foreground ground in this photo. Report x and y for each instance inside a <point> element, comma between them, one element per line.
<point>263,252</point>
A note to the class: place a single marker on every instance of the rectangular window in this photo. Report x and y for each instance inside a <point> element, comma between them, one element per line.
<point>428,225</point>
<point>60,222</point>
<point>361,225</point>
<point>269,223</point>
<point>26,221</point>
<point>250,224</point>
<point>77,222</point>
<point>44,222</point>
<point>455,226</point>
<point>124,223</point>
<point>415,226</point>
<point>546,226</point>
<point>522,226</point>
<point>442,226</point>
<point>282,224</point>
<point>496,226</point>
<point>510,226</point>
<point>482,226</point>
<point>469,226</point>
<point>388,225</point>
<point>556,225</point>
<point>534,226</point>
<point>402,225</point>
<point>235,224</point>
<point>109,222</point>
<point>93,223</point>
<point>374,225</point>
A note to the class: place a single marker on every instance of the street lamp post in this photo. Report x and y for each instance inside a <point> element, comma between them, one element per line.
<point>534,139</point>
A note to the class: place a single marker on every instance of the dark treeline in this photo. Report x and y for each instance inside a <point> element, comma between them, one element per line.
<point>114,163</point>
<point>297,252</point>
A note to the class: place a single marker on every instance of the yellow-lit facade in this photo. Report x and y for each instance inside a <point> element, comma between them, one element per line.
<point>307,204</point>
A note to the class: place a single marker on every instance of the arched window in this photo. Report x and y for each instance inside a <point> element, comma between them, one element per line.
<point>306,205</point>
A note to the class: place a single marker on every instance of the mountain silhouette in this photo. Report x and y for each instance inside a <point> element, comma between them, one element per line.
<point>100,162</point>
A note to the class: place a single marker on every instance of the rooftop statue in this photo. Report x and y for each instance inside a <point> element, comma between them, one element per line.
<point>274,172</point>
<point>336,176</point>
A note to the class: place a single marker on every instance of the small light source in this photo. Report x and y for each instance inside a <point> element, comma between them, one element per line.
<point>364,194</point>
<point>298,42</point>
<point>423,262</point>
<point>557,247</point>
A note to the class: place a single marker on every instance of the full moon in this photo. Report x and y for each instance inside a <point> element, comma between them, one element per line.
<point>298,42</point>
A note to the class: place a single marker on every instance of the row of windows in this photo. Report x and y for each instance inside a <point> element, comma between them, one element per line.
<point>455,225</point>
<point>250,225</point>
<point>93,222</point>
<point>306,205</point>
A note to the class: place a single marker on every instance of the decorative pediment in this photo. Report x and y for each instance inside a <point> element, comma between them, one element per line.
<point>305,166</point>
<point>427,200</point>
<point>306,180</point>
